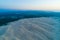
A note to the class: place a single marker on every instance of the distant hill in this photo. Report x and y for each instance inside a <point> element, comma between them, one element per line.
<point>7,15</point>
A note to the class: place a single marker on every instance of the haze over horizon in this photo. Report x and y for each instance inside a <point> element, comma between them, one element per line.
<point>30,4</point>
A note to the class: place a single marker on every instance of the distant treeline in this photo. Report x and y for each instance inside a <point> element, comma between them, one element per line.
<point>6,17</point>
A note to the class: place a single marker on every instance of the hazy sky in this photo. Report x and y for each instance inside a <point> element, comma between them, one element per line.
<point>31,4</point>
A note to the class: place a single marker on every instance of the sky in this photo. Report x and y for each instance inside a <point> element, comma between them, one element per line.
<point>31,4</point>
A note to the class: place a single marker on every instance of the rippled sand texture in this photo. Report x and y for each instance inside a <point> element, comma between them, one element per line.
<point>43,28</point>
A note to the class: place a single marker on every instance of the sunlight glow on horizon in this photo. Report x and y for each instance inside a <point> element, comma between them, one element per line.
<point>31,4</point>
